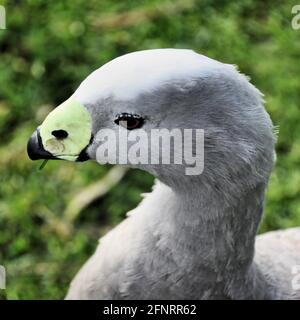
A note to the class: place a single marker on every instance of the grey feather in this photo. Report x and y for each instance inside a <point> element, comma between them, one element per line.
<point>194,237</point>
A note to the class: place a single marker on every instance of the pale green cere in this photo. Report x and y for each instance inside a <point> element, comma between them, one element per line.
<point>72,117</point>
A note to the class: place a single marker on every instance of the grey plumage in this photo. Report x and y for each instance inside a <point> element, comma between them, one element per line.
<point>193,237</point>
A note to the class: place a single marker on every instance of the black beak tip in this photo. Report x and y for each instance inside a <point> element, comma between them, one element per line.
<point>35,149</point>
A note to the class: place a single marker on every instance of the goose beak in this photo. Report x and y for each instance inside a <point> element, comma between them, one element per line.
<point>35,149</point>
<point>65,134</point>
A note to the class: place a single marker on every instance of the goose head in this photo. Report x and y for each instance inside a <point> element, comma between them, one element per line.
<point>165,89</point>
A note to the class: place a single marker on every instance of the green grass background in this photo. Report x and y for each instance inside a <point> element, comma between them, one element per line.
<point>49,47</point>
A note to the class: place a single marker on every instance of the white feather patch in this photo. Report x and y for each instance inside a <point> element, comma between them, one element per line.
<point>127,76</point>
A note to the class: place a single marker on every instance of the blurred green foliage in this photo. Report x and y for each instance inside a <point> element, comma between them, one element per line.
<point>49,47</point>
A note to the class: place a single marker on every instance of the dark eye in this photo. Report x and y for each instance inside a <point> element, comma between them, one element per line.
<point>129,121</point>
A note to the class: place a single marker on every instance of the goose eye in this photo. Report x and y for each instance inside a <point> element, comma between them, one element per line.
<point>129,121</point>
